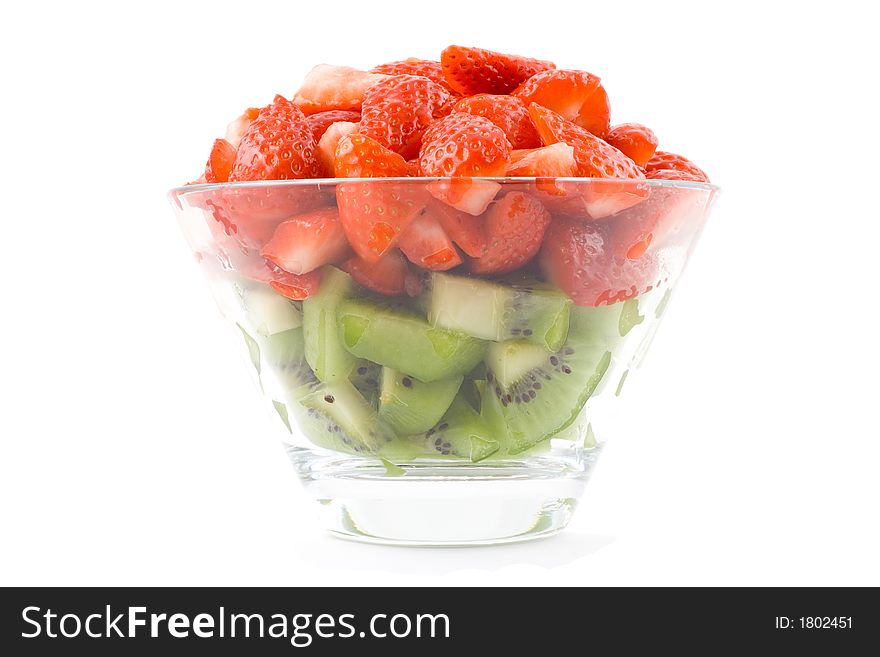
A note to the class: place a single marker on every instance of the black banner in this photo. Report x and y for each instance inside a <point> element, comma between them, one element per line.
<point>114,621</point>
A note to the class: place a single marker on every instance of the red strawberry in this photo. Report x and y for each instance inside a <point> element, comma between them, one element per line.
<point>508,113</point>
<point>277,145</point>
<point>425,67</point>
<point>464,145</point>
<point>515,226</point>
<point>634,140</point>
<point>577,257</point>
<point>292,286</point>
<point>472,71</point>
<point>468,195</point>
<point>465,230</point>
<point>575,95</point>
<point>330,140</point>
<point>426,244</point>
<point>373,214</point>
<point>672,174</point>
<point>220,162</point>
<point>328,87</point>
<point>322,120</point>
<point>307,241</point>
<point>388,275</point>
<point>595,159</point>
<point>554,161</point>
<point>397,111</point>
<point>236,129</point>
<point>662,161</point>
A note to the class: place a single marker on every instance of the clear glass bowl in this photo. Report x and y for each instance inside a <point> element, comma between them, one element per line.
<point>468,408</point>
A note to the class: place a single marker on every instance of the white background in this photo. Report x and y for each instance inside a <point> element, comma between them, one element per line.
<point>131,435</point>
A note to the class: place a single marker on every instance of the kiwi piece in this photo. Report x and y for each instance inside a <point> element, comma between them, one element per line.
<point>365,377</point>
<point>283,362</point>
<point>411,406</point>
<point>517,309</point>
<point>461,433</point>
<point>396,337</point>
<point>337,417</point>
<point>269,312</point>
<point>324,351</point>
<point>531,396</point>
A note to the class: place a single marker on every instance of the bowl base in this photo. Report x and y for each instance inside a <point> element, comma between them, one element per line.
<point>434,502</point>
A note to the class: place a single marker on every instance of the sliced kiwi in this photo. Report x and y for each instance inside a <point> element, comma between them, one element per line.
<point>517,309</point>
<point>365,377</point>
<point>398,338</point>
<point>283,359</point>
<point>460,433</point>
<point>411,406</point>
<point>337,417</point>
<point>324,351</point>
<point>268,312</point>
<point>531,396</point>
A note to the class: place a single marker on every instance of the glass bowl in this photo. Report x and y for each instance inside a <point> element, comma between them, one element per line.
<point>428,394</point>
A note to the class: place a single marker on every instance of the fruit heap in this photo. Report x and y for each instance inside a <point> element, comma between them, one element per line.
<point>440,310</point>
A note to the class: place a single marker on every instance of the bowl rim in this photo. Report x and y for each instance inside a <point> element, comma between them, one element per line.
<point>183,190</point>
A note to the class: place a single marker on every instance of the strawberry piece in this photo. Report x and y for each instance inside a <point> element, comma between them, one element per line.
<point>515,227</point>
<point>220,162</point>
<point>373,214</point>
<point>397,111</point>
<point>236,129</point>
<point>388,275</point>
<point>575,95</point>
<point>463,229</point>
<point>472,71</point>
<point>554,161</point>
<point>465,194</point>
<point>427,245</point>
<point>464,145</point>
<point>634,140</point>
<point>672,174</point>
<point>307,241</point>
<point>412,168</point>
<point>330,141</point>
<point>329,87</point>
<point>292,286</point>
<point>662,161</point>
<point>577,257</point>
<point>277,145</point>
<point>508,113</point>
<point>322,120</point>
<point>412,66</point>
<point>595,159</point>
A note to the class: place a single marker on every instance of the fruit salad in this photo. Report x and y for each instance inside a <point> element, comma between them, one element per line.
<point>442,259</point>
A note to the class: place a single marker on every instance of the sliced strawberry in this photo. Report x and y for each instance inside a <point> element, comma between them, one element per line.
<point>322,120</point>
<point>575,95</point>
<point>465,194</point>
<point>595,159</point>
<point>397,111</point>
<point>662,161</point>
<point>672,174</point>
<point>465,230</point>
<point>427,245</point>
<point>472,71</point>
<point>373,214</point>
<point>330,141</point>
<point>412,168</point>
<point>425,67</point>
<point>328,87</point>
<point>515,226</point>
<point>556,161</point>
<point>292,286</point>
<point>464,145</point>
<point>387,275</point>
<point>307,241</point>
<point>634,140</point>
<point>508,113</point>
<point>577,257</point>
<point>277,145</point>
<point>236,129</point>
<point>220,162</point>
